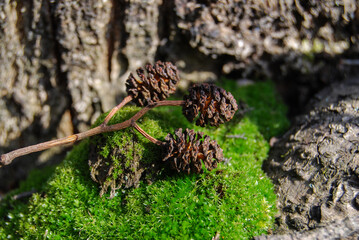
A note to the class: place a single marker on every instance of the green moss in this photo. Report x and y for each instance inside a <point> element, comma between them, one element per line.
<point>266,109</point>
<point>119,159</point>
<point>236,200</point>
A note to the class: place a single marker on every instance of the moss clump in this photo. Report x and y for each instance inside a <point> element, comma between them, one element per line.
<point>265,107</point>
<point>120,159</point>
<point>236,199</point>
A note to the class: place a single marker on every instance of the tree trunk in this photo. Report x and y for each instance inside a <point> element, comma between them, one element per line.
<point>315,165</point>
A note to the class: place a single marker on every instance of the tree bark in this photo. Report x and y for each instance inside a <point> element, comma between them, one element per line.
<point>347,229</point>
<point>314,166</point>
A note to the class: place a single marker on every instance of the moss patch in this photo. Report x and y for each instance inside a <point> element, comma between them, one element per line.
<point>120,159</point>
<point>236,199</point>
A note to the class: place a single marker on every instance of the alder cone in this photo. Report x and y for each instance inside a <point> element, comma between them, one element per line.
<point>186,151</point>
<point>213,104</point>
<point>159,83</point>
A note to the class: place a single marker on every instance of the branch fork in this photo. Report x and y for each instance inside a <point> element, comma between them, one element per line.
<point>186,150</point>
<point>7,158</point>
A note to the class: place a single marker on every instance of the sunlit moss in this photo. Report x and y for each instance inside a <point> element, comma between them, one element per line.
<point>236,199</point>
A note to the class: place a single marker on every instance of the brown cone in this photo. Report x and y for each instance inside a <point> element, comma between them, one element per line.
<point>187,150</point>
<point>213,104</point>
<point>159,82</point>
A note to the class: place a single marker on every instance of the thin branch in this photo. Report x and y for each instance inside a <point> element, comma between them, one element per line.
<point>118,107</point>
<point>24,194</point>
<point>242,136</point>
<point>9,157</point>
<point>146,135</point>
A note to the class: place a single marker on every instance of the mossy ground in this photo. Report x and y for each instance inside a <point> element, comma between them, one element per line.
<point>237,199</point>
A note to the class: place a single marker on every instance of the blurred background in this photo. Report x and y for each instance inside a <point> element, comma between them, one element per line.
<point>64,62</point>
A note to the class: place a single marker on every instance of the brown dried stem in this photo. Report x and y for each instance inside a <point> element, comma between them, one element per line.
<point>9,157</point>
<point>146,135</point>
<point>118,107</point>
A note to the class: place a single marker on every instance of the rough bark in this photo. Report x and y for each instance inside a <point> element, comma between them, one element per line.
<point>101,42</point>
<point>31,93</point>
<point>347,229</point>
<point>81,28</point>
<point>293,42</point>
<point>248,29</point>
<point>33,97</point>
<point>65,62</point>
<point>315,165</point>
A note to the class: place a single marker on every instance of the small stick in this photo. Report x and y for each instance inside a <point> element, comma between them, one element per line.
<point>242,136</point>
<point>9,157</point>
<point>217,236</point>
<point>146,135</point>
<point>118,107</point>
<point>24,194</point>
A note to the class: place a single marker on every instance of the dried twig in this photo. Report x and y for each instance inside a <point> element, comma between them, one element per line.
<point>146,135</point>
<point>9,157</point>
<point>241,136</point>
<point>24,194</point>
<point>118,107</point>
<point>217,236</point>
<point>186,150</point>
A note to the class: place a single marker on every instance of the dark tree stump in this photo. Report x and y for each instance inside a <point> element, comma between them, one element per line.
<point>315,166</point>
